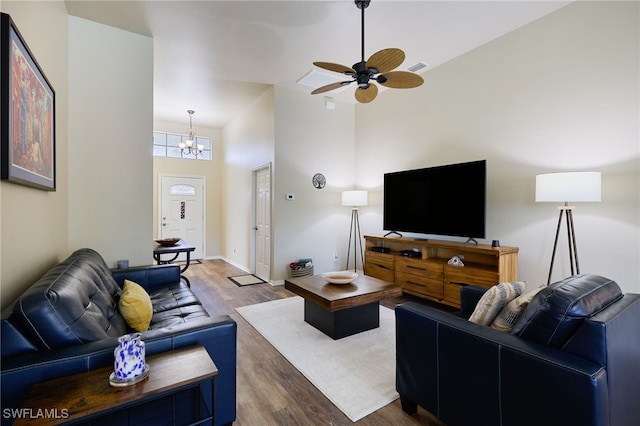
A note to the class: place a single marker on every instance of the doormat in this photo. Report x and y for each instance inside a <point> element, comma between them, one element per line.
<point>247,279</point>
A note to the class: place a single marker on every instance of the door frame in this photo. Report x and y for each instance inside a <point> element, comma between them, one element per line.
<point>204,205</point>
<point>254,197</point>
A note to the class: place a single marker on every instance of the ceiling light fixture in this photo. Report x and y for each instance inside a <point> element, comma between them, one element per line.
<point>187,146</point>
<point>378,68</point>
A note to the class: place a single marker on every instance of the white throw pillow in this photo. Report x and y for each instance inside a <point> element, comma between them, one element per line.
<point>508,316</point>
<point>494,299</point>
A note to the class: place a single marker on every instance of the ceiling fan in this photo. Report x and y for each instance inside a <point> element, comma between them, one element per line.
<point>379,67</point>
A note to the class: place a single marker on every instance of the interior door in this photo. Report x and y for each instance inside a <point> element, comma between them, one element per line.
<point>182,211</point>
<point>263,223</point>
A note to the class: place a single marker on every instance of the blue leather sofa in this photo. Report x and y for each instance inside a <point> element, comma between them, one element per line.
<point>68,322</point>
<point>572,358</point>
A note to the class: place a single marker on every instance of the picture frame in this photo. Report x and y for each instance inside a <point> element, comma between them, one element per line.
<point>27,114</point>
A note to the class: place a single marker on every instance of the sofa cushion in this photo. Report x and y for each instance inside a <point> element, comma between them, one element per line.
<point>177,316</point>
<point>172,296</point>
<point>508,316</point>
<point>558,310</point>
<point>135,306</point>
<point>494,299</point>
<point>74,302</point>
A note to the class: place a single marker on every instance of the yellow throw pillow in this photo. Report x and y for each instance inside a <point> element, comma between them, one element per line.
<point>135,306</point>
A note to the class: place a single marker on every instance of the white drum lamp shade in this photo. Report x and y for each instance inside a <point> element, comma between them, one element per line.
<point>570,186</point>
<point>355,198</point>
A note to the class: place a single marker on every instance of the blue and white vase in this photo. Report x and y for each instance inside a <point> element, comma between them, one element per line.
<point>129,361</point>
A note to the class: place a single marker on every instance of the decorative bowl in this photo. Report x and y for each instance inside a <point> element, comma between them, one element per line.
<point>168,242</point>
<point>340,277</point>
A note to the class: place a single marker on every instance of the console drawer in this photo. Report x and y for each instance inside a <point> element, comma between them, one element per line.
<point>469,275</point>
<point>428,286</point>
<point>421,267</point>
<point>379,265</point>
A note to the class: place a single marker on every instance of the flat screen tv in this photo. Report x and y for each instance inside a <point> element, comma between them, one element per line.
<point>444,200</point>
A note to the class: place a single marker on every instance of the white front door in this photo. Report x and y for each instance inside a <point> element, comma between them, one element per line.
<point>263,223</point>
<point>182,211</point>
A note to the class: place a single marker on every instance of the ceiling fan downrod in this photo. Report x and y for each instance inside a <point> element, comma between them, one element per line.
<point>362,5</point>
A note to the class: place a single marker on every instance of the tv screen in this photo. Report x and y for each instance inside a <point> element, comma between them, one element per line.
<point>444,200</point>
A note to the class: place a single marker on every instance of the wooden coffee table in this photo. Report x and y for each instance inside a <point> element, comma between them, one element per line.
<point>341,310</point>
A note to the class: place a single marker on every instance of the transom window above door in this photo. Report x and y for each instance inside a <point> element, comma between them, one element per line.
<point>166,145</point>
<point>182,189</point>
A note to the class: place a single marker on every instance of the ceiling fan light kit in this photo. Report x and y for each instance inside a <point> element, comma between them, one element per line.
<point>379,68</point>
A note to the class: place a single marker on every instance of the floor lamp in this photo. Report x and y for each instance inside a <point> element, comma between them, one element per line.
<point>568,187</point>
<point>355,199</point>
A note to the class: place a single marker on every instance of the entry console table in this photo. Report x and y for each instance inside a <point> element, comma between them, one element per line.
<point>426,272</point>
<point>173,393</point>
<point>174,251</point>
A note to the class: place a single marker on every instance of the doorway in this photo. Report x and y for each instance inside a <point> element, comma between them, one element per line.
<point>182,211</point>
<point>262,222</point>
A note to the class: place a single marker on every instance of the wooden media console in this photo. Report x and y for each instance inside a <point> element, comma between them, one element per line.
<point>426,272</point>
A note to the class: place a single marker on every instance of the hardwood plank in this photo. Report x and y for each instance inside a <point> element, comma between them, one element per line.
<point>270,391</point>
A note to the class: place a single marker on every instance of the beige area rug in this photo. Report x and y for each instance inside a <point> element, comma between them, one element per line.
<point>356,373</point>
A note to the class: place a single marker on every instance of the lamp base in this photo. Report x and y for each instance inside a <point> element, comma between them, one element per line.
<point>571,237</point>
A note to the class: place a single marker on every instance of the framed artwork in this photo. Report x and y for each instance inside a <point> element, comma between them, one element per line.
<point>27,113</point>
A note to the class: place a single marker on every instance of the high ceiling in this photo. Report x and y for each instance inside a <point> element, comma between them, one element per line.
<point>216,57</point>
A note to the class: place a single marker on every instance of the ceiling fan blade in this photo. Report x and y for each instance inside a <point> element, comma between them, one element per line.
<point>401,80</point>
<point>330,87</point>
<point>343,69</point>
<point>367,95</point>
<point>386,59</point>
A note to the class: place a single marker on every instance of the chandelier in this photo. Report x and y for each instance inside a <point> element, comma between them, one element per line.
<point>187,146</point>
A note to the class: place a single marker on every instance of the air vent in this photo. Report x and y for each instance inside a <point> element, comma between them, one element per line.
<point>417,67</point>
<point>315,79</point>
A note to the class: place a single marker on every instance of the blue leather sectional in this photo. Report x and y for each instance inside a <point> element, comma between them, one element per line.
<point>68,322</point>
<point>572,358</point>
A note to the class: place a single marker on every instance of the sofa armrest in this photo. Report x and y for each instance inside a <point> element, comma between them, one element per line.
<point>465,373</point>
<point>150,276</point>
<point>218,335</point>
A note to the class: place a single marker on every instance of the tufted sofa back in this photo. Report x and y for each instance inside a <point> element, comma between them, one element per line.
<point>74,302</point>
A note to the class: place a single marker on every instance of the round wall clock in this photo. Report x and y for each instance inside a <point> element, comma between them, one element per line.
<point>319,181</point>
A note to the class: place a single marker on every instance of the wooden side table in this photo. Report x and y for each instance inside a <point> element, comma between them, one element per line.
<point>86,396</point>
<point>174,251</point>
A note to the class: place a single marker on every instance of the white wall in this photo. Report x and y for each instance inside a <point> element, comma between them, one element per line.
<point>560,94</point>
<point>110,152</point>
<point>33,223</point>
<point>311,139</point>
<point>210,170</point>
<point>248,144</point>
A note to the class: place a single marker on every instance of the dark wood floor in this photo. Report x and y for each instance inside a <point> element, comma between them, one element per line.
<point>270,390</point>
